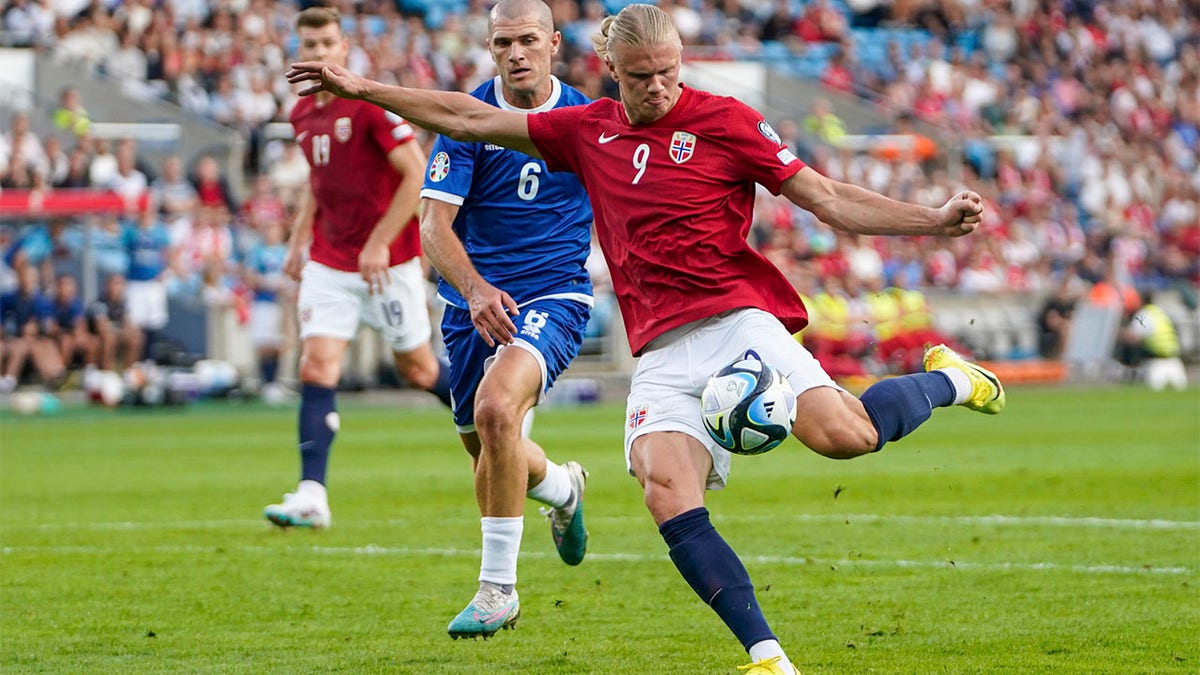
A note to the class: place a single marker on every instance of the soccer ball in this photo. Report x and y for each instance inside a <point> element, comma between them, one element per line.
<point>748,407</point>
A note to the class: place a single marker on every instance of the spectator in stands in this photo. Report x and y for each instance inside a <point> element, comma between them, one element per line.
<point>824,124</point>
<point>103,165</point>
<point>127,181</point>
<point>820,22</point>
<point>212,189</point>
<point>69,327</point>
<point>289,173</point>
<point>127,65</point>
<point>57,161</point>
<point>26,319</point>
<point>76,175</point>
<point>838,74</point>
<point>263,207</point>
<point>204,240</point>
<point>1054,317</point>
<point>121,341</point>
<point>173,194</point>
<point>21,154</point>
<point>71,116</point>
<point>27,23</point>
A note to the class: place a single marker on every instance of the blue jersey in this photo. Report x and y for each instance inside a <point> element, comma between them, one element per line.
<point>266,262</point>
<point>526,230</point>
<point>18,309</point>
<point>148,249</point>
<point>65,315</point>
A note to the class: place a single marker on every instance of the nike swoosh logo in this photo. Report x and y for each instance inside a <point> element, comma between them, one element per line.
<point>608,139</point>
<point>493,616</point>
<point>300,136</point>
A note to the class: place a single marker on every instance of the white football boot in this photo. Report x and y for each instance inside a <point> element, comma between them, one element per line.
<point>306,507</point>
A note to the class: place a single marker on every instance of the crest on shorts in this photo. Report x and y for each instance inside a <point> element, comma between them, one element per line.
<point>341,129</point>
<point>683,146</point>
<point>306,315</point>
<point>439,168</point>
<point>637,416</point>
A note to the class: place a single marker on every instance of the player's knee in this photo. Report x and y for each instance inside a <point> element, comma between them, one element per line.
<point>419,375</point>
<point>319,371</point>
<point>495,417</point>
<point>843,441</point>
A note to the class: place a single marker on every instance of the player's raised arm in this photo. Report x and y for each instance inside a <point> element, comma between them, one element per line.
<point>856,209</point>
<point>452,114</point>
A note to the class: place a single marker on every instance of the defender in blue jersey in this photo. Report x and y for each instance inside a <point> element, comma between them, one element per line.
<point>510,240</point>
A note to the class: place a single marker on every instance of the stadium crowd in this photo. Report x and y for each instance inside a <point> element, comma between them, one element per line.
<point>1079,123</point>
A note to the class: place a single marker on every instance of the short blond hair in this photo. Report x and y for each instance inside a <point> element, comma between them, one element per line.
<point>637,25</point>
<point>318,17</point>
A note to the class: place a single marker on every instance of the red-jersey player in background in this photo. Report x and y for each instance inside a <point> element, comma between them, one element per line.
<point>357,223</point>
<point>671,173</point>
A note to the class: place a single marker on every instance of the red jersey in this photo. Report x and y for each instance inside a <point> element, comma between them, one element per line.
<point>673,202</point>
<point>346,144</point>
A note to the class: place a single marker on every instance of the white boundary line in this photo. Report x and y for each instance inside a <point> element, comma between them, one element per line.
<point>791,561</point>
<point>998,520</point>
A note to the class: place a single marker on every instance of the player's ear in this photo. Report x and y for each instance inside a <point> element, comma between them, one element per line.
<point>555,42</point>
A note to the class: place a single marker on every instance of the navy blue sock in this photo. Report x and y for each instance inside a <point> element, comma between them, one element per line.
<point>316,404</point>
<point>441,388</point>
<point>898,405</point>
<point>716,574</point>
<point>268,366</point>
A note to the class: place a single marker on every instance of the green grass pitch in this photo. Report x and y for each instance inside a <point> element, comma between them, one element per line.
<point>1062,536</point>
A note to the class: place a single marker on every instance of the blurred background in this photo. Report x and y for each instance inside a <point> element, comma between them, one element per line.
<point>146,143</point>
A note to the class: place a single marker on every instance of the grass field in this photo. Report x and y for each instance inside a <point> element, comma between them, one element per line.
<point>1060,537</point>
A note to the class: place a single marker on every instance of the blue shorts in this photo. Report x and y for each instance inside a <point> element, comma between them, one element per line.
<point>550,329</point>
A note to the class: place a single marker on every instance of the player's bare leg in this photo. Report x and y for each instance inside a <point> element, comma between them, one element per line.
<point>320,370</point>
<point>509,467</point>
<point>423,370</point>
<point>673,470</point>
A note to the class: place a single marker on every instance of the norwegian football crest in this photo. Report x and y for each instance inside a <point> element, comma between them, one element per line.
<point>683,146</point>
<point>637,416</point>
<point>439,168</point>
<point>341,129</point>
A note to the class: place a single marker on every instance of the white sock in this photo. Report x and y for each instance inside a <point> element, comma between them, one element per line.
<point>962,383</point>
<point>501,544</point>
<point>555,488</point>
<point>768,648</point>
<point>312,487</point>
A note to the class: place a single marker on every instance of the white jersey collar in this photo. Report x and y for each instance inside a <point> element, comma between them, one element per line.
<point>555,94</point>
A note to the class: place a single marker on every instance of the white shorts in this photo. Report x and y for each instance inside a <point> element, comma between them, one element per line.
<point>332,303</point>
<point>266,323</point>
<point>146,304</point>
<point>664,394</point>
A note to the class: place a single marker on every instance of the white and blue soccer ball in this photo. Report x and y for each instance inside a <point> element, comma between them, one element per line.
<point>748,407</point>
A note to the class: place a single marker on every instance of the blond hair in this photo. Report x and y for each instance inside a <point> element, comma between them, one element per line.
<point>637,25</point>
<point>318,17</point>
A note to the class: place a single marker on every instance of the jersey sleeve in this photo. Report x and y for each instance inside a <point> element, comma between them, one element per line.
<point>450,171</point>
<point>767,161</point>
<point>553,132</point>
<point>388,129</point>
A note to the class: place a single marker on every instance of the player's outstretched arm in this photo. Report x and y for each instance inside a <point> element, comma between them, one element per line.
<point>856,209</point>
<point>453,114</point>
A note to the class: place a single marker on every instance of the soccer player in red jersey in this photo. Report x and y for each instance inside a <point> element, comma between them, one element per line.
<point>671,174</point>
<point>357,224</point>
